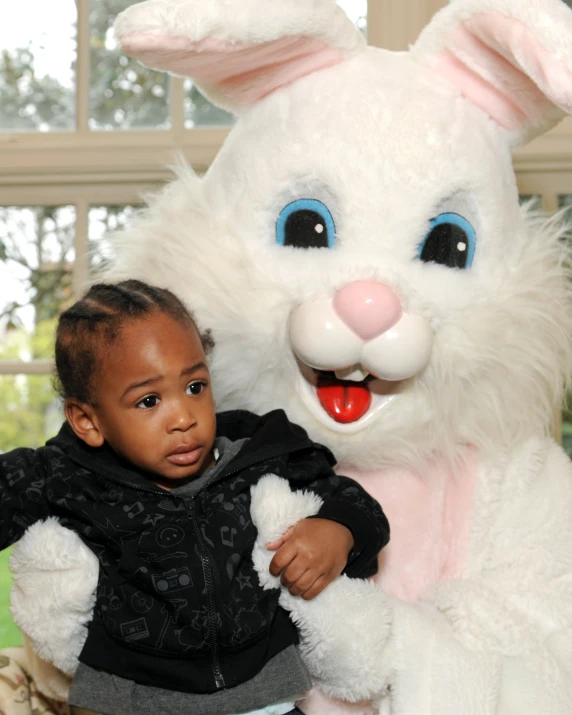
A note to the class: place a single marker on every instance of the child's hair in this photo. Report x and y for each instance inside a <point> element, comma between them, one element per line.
<point>94,323</point>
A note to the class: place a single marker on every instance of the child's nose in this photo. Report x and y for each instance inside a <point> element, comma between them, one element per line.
<point>182,417</point>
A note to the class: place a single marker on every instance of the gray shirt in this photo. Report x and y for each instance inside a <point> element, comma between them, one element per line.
<point>283,679</point>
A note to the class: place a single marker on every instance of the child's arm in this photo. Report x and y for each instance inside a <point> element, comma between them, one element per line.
<point>22,494</point>
<point>347,534</point>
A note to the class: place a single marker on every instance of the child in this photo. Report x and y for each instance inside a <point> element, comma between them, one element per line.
<point>158,487</point>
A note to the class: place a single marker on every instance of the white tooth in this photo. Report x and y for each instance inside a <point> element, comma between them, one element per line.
<point>354,373</point>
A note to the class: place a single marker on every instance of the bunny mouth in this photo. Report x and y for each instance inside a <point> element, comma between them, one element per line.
<point>344,405</point>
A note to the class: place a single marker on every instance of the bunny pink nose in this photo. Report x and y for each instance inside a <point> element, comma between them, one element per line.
<point>368,308</point>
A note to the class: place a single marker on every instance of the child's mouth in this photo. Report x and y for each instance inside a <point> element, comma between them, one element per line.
<point>185,458</point>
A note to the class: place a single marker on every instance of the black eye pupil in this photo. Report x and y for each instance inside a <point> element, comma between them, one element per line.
<point>196,388</point>
<point>448,245</point>
<point>306,229</point>
<point>149,402</point>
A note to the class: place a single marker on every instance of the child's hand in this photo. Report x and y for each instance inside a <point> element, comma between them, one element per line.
<point>311,555</point>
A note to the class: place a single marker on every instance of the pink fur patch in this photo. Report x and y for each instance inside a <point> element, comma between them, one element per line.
<point>429,514</point>
<point>498,64</point>
<point>243,73</point>
<point>316,703</point>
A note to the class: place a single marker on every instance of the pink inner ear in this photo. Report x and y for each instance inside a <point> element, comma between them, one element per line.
<point>488,58</point>
<point>243,73</point>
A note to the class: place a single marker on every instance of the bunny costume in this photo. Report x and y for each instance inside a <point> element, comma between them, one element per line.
<point>359,252</point>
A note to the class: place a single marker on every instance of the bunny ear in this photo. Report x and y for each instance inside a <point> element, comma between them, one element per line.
<point>238,52</point>
<point>511,58</point>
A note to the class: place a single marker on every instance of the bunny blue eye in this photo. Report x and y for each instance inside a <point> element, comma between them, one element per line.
<point>306,223</point>
<point>450,242</point>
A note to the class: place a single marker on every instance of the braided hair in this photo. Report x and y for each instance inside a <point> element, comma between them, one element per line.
<point>95,322</point>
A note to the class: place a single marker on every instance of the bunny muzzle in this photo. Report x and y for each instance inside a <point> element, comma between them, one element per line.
<point>355,350</point>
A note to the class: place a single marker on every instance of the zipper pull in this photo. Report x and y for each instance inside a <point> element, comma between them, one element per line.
<point>219,681</point>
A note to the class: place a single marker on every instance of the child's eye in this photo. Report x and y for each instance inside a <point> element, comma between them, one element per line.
<point>148,402</point>
<point>195,388</point>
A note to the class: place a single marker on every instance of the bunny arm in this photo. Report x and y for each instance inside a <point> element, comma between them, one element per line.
<point>497,641</point>
<point>52,600</point>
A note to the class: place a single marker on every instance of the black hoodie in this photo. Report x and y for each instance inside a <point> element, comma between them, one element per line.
<point>178,603</point>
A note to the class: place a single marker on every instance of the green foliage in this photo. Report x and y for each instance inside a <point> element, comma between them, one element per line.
<point>567,434</point>
<point>28,101</point>
<point>30,410</point>
<point>9,633</point>
<point>123,94</point>
<point>37,242</point>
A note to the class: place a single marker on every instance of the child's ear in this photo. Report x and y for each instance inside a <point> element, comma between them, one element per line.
<point>83,421</point>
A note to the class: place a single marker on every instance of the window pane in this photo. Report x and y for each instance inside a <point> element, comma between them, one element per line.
<point>567,432</point>
<point>565,202</point>
<point>200,112</point>
<point>102,220</point>
<point>31,414</point>
<point>38,48</point>
<point>123,94</point>
<point>36,262</point>
<point>356,11</point>
<point>534,199</point>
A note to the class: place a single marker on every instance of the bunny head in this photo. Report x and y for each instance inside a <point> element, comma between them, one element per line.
<point>357,247</point>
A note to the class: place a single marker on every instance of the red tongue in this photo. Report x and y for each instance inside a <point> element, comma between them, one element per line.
<point>344,401</point>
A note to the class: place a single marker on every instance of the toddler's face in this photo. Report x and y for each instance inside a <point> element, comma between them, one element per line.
<point>154,402</point>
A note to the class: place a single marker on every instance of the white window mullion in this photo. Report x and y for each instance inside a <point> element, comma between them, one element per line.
<point>395,24</point>
<point>375,22</point>
<point>82,66</point>
<point>177,101</point>
<point>32,367</point>
<point>550,202</point>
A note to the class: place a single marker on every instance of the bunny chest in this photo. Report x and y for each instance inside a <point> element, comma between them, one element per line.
<point>430,514</point>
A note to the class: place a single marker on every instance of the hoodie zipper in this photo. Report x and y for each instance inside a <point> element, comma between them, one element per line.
<point>211,606</point>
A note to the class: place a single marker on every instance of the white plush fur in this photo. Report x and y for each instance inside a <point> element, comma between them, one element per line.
<point>388,144</point>
<point>274,510</point>
<point>251,21</point>
<point>55,577</point>
<point>327,626</point>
